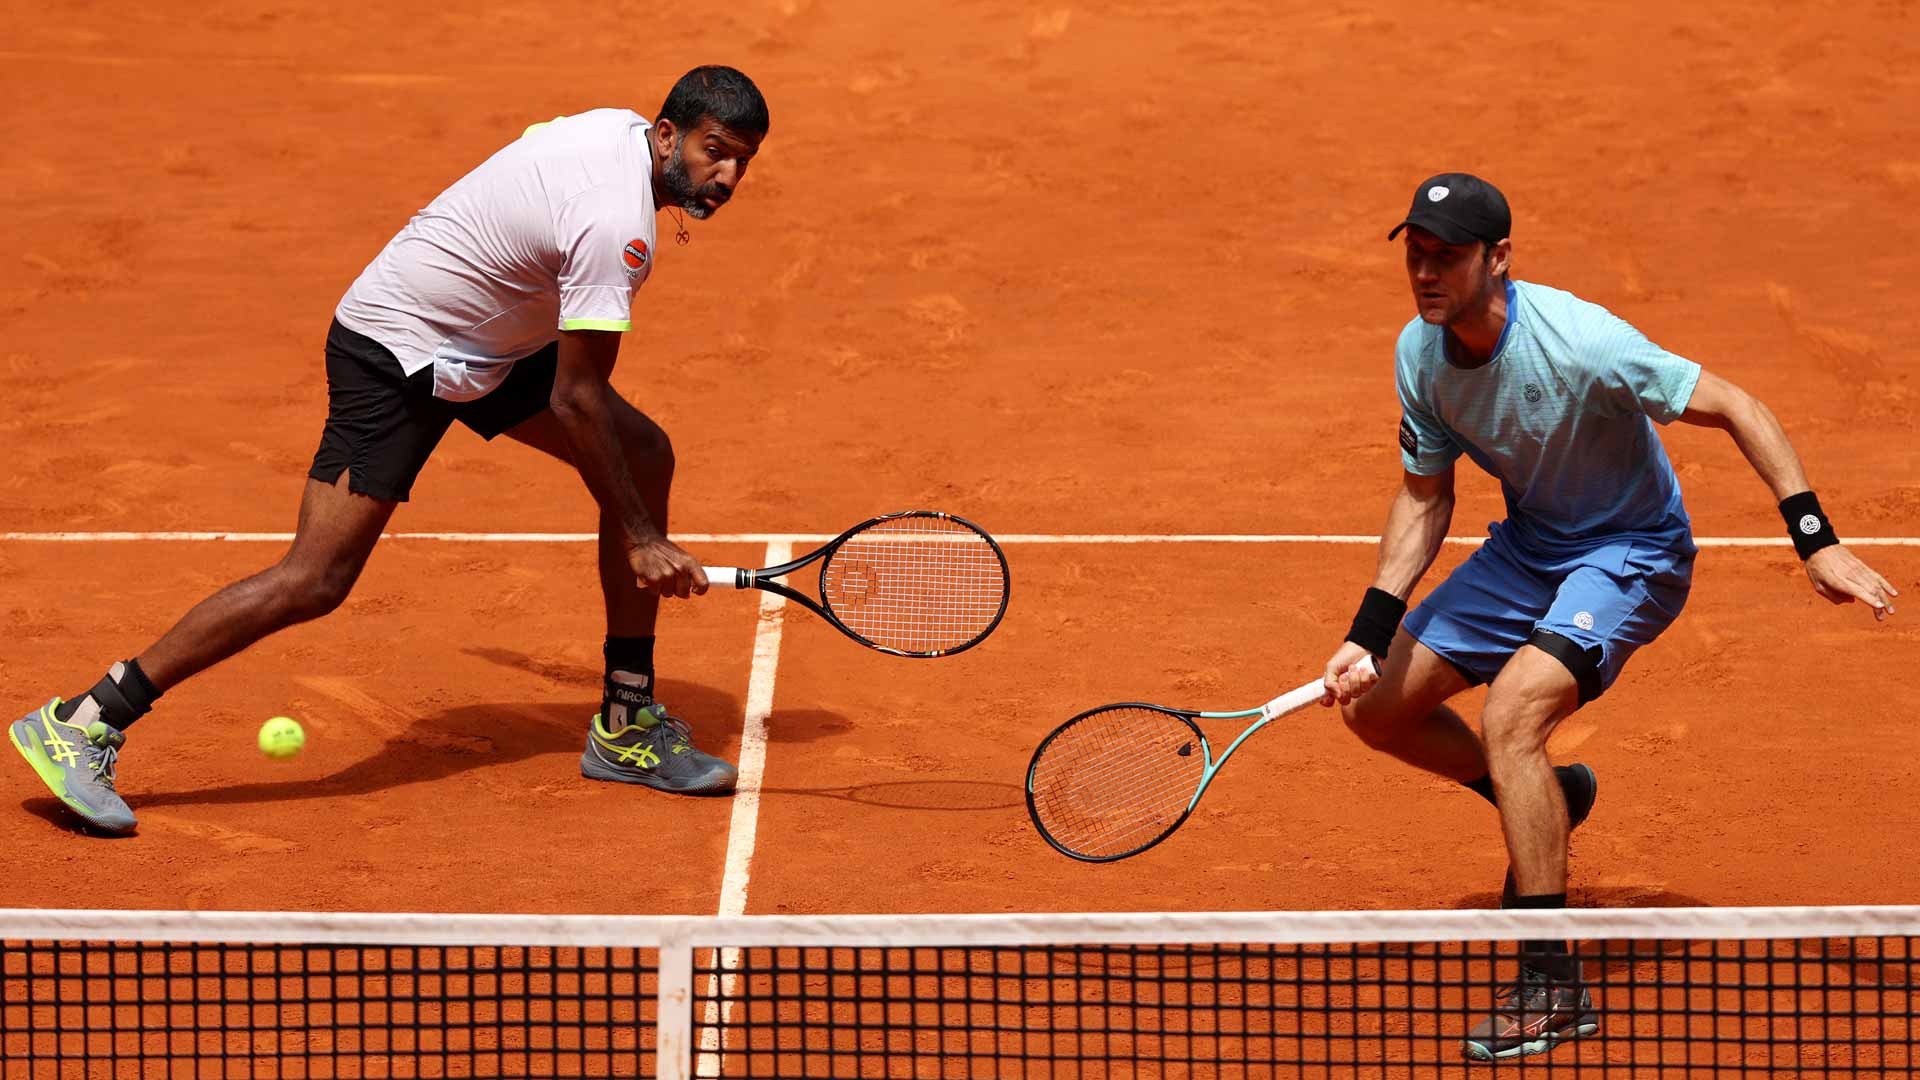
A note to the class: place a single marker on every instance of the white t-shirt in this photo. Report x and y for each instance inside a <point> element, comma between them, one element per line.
<point>554,232</point>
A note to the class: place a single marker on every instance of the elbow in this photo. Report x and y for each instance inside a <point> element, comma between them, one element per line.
<point>1746,415</point>
<point>1435,502</point>
<point>1428,491</point>
<point>1719,403</point>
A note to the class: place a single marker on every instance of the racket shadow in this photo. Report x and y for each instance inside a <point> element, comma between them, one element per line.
<point>950,796</point>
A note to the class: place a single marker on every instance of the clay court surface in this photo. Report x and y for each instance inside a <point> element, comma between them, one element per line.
<point>1115,269</point>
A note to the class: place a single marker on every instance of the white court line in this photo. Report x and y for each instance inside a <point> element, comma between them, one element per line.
<point>753,742</point>
<point>744,826</point>
<point>821,538</point>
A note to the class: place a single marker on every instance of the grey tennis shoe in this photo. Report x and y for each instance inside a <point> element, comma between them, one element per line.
<point>654,750</point>
<point>1534,1015</point>
<point>75,758</point>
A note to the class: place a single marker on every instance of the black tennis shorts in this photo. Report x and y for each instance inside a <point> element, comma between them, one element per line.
<point>382,424</point>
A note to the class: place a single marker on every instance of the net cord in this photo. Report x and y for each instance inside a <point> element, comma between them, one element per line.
<point>1109,928</point>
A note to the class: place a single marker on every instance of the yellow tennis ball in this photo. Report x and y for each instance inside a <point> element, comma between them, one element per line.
<point>281,737</point>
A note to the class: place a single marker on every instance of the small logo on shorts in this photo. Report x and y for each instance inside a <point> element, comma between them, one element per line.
<point>1532,392</point>
<point>1407,440</point>
<point>635,256</point>
<point>1809,524</point>
<point>1437,192</point>
<point>1583,620</point>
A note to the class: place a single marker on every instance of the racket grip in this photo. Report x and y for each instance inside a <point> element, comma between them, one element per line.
<point>725,577</point>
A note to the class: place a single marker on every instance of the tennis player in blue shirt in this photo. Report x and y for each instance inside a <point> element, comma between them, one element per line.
<point>1556,398</point>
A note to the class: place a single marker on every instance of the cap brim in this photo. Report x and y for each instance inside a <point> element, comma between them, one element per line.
<point>1446,230</point>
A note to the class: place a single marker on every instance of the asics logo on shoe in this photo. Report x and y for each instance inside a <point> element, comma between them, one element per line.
<point>639,754</point>
<point>60,750</point>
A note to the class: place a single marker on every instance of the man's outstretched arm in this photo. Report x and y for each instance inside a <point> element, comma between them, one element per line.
<point>1836,573</point>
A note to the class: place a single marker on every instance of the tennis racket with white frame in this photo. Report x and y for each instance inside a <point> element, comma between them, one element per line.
<point>918,583</point>
<point>1116,780</point>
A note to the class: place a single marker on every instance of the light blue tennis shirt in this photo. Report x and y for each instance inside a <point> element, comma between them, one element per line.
<point>1562,415</point>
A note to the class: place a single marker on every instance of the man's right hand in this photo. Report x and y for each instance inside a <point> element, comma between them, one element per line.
<point>1346,677</point>
<point>664,567</point>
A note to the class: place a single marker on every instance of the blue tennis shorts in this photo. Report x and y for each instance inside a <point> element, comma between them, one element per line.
<point>1608,601</point>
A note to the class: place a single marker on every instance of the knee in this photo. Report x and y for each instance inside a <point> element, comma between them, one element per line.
<point>1511,733</point>
<point>309,592</point>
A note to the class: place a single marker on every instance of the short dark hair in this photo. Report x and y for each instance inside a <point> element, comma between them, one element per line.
<point>718,93</point>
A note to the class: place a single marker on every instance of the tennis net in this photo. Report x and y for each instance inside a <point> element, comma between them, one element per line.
<point>1785,992</point>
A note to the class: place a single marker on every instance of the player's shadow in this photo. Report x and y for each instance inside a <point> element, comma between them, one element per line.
<point>783,725</point>
<point>1612,896</point>
<point>437,746</point>
<point>571,674</point>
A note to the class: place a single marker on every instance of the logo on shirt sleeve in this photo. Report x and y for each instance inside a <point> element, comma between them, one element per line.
<point>634,255</point>
<point>1407,440</point>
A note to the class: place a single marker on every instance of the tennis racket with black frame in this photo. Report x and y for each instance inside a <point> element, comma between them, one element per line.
<point>1114,781</point>
<point>918,583</point>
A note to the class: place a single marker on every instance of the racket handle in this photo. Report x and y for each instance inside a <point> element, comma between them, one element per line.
<point>726,577</point>
<point>1304,695</point>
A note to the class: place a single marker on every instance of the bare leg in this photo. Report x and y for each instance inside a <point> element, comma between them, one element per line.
<point>1532,695</point>
<point>631,610</point>
<point>336,533</point>
<point>1404,715</point>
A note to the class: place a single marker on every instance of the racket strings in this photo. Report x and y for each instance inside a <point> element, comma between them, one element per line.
<point>916,584</point>
<point>1116,780</point>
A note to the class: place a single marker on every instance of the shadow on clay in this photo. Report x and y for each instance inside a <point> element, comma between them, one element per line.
<point>54,812</point>
<point>949,795</point>
<point>685,699</point>
<point>445,744</point>
<point>1612,896</point>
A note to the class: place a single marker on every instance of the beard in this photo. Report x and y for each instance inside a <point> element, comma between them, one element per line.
<point>681,191</point>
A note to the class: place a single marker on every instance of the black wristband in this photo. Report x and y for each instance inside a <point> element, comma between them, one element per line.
<point>1806,524</point>
<point>1377,621</point>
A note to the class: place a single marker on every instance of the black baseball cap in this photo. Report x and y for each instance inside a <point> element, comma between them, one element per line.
<point>1457,208</point>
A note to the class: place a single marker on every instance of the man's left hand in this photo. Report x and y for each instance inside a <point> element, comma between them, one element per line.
<point>1842,578</point>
